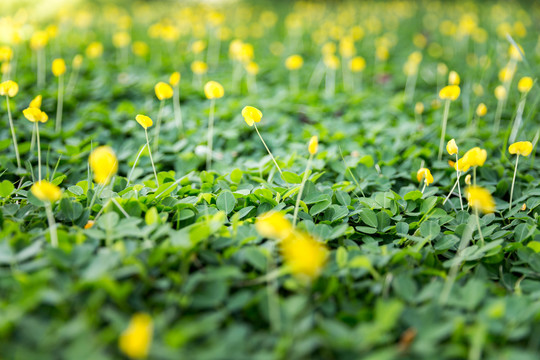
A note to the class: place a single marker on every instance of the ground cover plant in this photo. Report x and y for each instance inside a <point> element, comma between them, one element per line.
<point>269,180</point>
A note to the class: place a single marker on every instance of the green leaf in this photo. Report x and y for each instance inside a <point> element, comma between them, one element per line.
<point>413,195</point>
<point>6,188</point>
<point>430,229</point>
<point>226,201</point>
<point>369,217</point>
<point>291,177</point>
<point>341,257</point>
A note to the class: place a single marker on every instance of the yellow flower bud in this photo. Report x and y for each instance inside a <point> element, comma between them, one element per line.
<point>144,121</point>
<point>140,48</point>
<point>294,62</point>
<point>357,64</point>
<point>104,164</point>
<point>453,78</point>
<point>481,110</point>
<point>252,68</point>
<point>452,147</point>
<point>523,148</point>
<point>163,91</point>
<point>58,67</point>
<point>39,40</point>
<point>500,92</point>
<point>251,115</point>
<point>331,62</point>
<point>136,340</point>
<point>174,79</point>
<point>450,92</point>
<point>419,108</point>
<point>424,174</point>
<point>515,53</point>
<point>199,67</point>
<point>468,179</point>
<point>313,145</point>
<point>9,88</point>
<point>525,84</point>
<point>94,50</point>
<point>46,191</point>
<point>213,90</point>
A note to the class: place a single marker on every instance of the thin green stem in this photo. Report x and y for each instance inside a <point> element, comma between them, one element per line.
<point>498,114</point>
<point>177,109</point>
<point>210,138</point>
<point>513,182</point>
<point>267,149</point>
<point>151,159</point>
<point>135,164</point>
<point>60,104</point>
<point>38,150</point>
<point>13,133</point>
<point>299,196</point>
<point>158,125</point>
<point>478,225</point>
<point>443,130</point>
<point>459,187</point>
<point>52,224</point>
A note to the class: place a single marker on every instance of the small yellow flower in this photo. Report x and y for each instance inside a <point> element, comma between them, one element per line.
<point>94,50</point>
<point>38,40</point>
<point>121,39</point>
<point>331,62</point>
<point>357,64</point>
<point>252,68</point>
<point>525,84</point>
<point>36,102</point>
<point>46,191</point>
<point>453,78</point>
<point>213,90</point>
<point>77,61</point>
<point>104,164</point>
<point>294,62</point>
<point>450,92</point>
<point>89,224</point>
<point>34,114</point>
<point>199,67</point>
<point>9,88</point>
<point>58,67</point>
<point>419,108</point>
<point>273,225</point>
<point>174,79</point>
<point>251,115</point>
<point>468,179</point>
<point>523,148</point>
<point>304,255</point>
<point>452,147</point>
<point>144,121</point>
<point>136,340</point>
<point>480,199</point>
<point>500,93</point>
<point>462,165</point>
<point>140,48</point>
<point>475,157</point>
<point>313,145</point>
<point>198,46</point>
<point>481,110</point>
<point>6,53</point>
<point>424,174</point>
<point>505,74</point>
<point>515,53</point>
<point>163,91</point>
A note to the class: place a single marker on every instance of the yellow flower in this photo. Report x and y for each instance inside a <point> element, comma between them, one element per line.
<point>419,108</point>
<point>163,91</point>
<point>475,157</point>
<point>77,61</point>
<point>144,121</point>
<point>252,68</point>
<point>382,53</point>
<point>198,46</point>
<point>104,164</point>
<point>523,148</point>
<point>34,114</point>
<point>36,102</point>
<point>6,53</point>
<point>453,78</point>
<point>505,74</point>
<point>38,40</point>
<point>525,84</point>
<point>468,179</point>
<point>45,191</point>
<point>424,174</point>
<point>140,48</point>
<point>304,255</point>
<point>251,115</point>
<point>174,79</point>
<point>136,340</point>
<point>500,92</point>
<point>9,88</point>
<point>121,39</point>
<point>94,50</point>
<point>213,90</point>
<point>452,147</point>
<point>331,62</point>
<point>89,224</point>
<point>442,69</point>
<point>273,225</point>
<point>462,165</point>
<point>357,64</point>
<point>294,62</point>
<point>515,53</point>
<point>480,199</point>
<point>450,92</point>
<point>481,110</point>
<point>199,67</point>
<point>58,67</point>
<point>313,145</point>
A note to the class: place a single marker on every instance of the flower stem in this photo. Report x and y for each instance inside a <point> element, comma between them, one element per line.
<point>52,224</point>
<point>458,186</point>
<point>38,150</point>
<point>151,159</point>
<point>513,182</point>
<point>177,109</point>
<point>267,149</point>
<point>304,179</point>
<point>60,104</point>
<point>135,164</point>
<point>158,125</point>
<point>210,135</point>
<point>479,229</point>
<point>13,133</point>
<point>443,131</point>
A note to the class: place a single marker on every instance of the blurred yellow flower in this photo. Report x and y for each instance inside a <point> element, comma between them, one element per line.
<point>357,64</point>
<point>104,164</point>
<point>38,40</point>
<point>331,62</point>
<point>523,148</point>
<point>525,84</point>
<point>419,108</point>
<point>94,50</point>
<point>9,88</point>
<point>6,53</point>
<point>500,93</point>
<point>121,39</point>
<point>453,78</point>
<point>273,225</point>
<point>450,92</point>
<point>252,68</point>
<point>36,102</point>
<point>174,79</point>
<point>481,110</point>
<point>462,165</point>
<point>140,48</point>
<point>452,147</point>
<point>515,53</point>
<point>34,114</point>
<point>213,90</point>
<point>475,157</point>
<point>77,61</point>
<point>424,174</point>
<point>251,115</point>
<point>163,91</point>
<point>294,62</point>
<point>468,179</point>
<point>58,67</point>
<point>199,67</point>
<point>480,199</point>
<point>506,74</point>
<point>304,255</point>
<point>313,145</point>
<point>136,340</point>
<point>144,121</point>
<point>46,191</point>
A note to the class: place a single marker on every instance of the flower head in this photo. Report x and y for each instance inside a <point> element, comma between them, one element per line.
<point>475,157</point>
<point>163,91</point>
<point>251,115</point>
<point>46,191</point>
<point>357,64</point>
<point>199,67</point>
<point>304,255</point>
<point>174,79</point>
<point>515,53</point>
<point>136,340</point>
<point>294,62</point>
<point>38,40</point>
<point>94,50</point>
<point>453,78</point>
<point>500,92</point>
<point>144,121</point>
<point>273,225</point>
<point>77,61</point>
<point>480,199</point>
<point>481,110</point>
<point>213,90</point>
<point>452,147</point>
<point>9,88</point>
<point>58,67</point>
<point>331,61</point>
<point>468,179</point>
<point>419,108</point>
<point>121,39</point>
<point>523,148</point>
<point>424,174</point>
<point>525,84</point>
<point>35,114</point>
<point>450,92</point>
<point>36,102</point>
<point>313,145</point>
<point>462,165</point>
<point>104,164</point>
